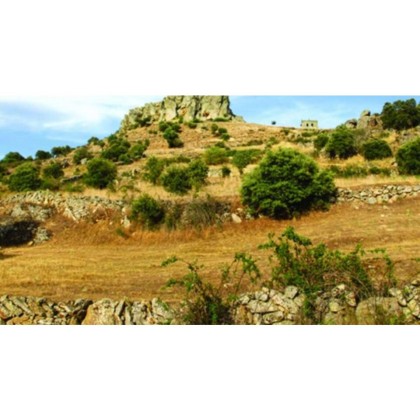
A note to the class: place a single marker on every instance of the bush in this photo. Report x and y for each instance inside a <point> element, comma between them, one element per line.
<point>148,211</point>
<point>400,114</point>
<point>116,149</point>
<point>172,137</point>
<point>317,269</point>
<point>342,144</point>
<point>80,154</point>
<point>137,150</point>
<point>198,172</point>
<point>25,178</point>
<point>376,149</point>
<point>153,169</point>
<point>100,173</point>
<point>61,151</point>
<point>408,158</point>
<point>53,170</point>
<point>42,155</point>
<point>216,156</point>
<point>321,141</point>
<point>349,171</point>
<point>286,184</point>
<point>176,180</point>
<point>242,158</point>
<point>51,184</point>
<point>13,159</point>
<point>226,171</point>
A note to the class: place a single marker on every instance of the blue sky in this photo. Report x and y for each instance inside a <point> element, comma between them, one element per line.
<point>31,124</point>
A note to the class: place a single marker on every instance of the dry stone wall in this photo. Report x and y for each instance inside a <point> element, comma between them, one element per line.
<point>263,307</point>
<point>378,195</point>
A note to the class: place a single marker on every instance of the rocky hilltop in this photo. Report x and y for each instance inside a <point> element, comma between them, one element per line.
<point>173,107</point>
<point>365,121</point>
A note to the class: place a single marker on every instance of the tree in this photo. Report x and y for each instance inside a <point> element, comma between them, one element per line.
<point>61,151</point>
<point>153,169</point>
<point>53,170</point>
<point>25,178</point>
<point>12,158</point>
<point>376,149</point>
<point>176,180</point>
<point>148,211</point>
<point>100,173</point>
<point>342,143</point>
<point>43,155</point>
<point>242,158</point>
<point>286,184</point>
<point>321,141</point>
<point>400,114</point>
<point>408,158</point>
<point>198,172</point>
<point>80,154</point>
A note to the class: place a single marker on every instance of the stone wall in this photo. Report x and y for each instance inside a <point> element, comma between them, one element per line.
<point>263,307</point>
<point>378,195</point>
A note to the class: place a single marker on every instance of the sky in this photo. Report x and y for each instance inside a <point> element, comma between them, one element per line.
<point>40,123</point>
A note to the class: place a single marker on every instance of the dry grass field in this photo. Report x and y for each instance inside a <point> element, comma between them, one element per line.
<point>92,261</point>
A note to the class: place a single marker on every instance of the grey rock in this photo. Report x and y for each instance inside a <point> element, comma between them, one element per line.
<point>290,292</point>
<point>378,310</point>
<point>258,307</point>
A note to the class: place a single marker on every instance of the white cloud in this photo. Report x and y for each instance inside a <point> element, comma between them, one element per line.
<point>69,113</point>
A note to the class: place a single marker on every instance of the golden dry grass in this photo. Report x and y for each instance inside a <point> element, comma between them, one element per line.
<point>93,261</point>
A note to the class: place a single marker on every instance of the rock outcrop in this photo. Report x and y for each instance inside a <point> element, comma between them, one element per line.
<point>188,108</point>
<point>366,121</point>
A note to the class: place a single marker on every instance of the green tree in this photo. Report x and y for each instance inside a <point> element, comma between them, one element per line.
<point>61,151</point>
<point>342,143</point>
<point>148,211</point>
<point>13,158</point>
<point>176,180</point>
<point>321,141</point>
<point>408,158</point>
<point>100,173</point>
<point>216,156</point>
<point>80,154</point>
<point>400,114</point>
<point>153,169</point>
<point>286,184</point>
<point>53,170</point>
<point>376,149</point>
<point>43,155</point>
<point>198,172</point>
<point>25,178</point>
<point>242,158</point>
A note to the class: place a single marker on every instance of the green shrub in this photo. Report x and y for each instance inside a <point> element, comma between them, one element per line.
<point>321,141</point>
<point>408,158</point>
<point>349,171</point>
<point>25,178</point>
<point>148,211</point>
<point>80,154</point>
<point>153,169</point>
<point>53,170</point>
<point>242,158</point>
<point>376,149</point>
<point>216,156</point>
<point>226,171</point>
<point>13,159</point>
<point>374,170</point>
<point>286,184</point>
<point>341,144</point>
<point>42,155</point>
<point>172,137</point>
<point>317,269</point>
<point>225,136</point>
<point>401,114</point>
<point>51,184</point>
<point>176,180</point>
<point>198,172</point>
<point>61,151</point>
<point>116,149</point>
<point>192,124</point>
<point>100,173</point>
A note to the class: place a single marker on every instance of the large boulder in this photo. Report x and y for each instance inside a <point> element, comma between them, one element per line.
<point>173,107</point>
<point>17,232</point>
